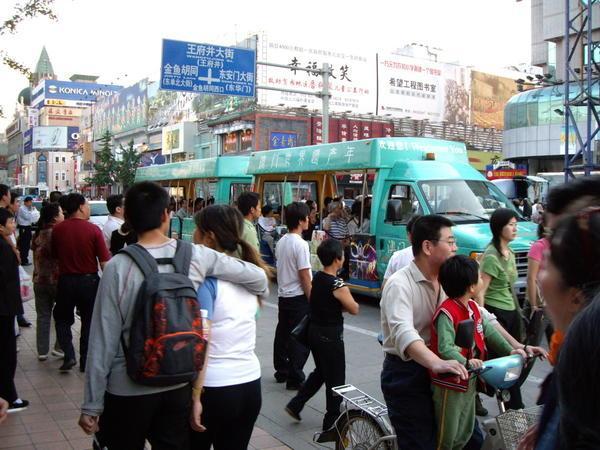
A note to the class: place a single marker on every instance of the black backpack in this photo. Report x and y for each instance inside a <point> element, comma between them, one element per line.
<point>166,343</point>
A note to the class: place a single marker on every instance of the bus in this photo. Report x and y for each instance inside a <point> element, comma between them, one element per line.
<point>38,192</point>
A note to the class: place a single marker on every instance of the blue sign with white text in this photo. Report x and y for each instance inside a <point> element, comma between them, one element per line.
<point>69,93</point>
<point>207,69</point>
<point>282,140</point>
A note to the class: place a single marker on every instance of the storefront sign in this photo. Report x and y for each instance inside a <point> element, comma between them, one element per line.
<point>282,140</point>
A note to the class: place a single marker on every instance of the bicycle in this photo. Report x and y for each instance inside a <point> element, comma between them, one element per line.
<point>364,423</point>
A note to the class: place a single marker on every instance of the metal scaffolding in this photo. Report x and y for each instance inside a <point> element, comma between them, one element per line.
<point>582,74</point>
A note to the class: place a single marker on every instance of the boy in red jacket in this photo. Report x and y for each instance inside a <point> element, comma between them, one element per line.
<point>454,399</point>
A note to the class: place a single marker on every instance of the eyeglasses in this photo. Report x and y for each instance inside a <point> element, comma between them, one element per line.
<point>450,242</point>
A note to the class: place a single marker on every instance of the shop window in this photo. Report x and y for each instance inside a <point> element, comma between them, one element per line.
<point>246,140</point>
<point>230,143</point>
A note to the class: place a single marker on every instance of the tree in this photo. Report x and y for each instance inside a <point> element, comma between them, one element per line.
<point>105,166</point>
<point>126,167</point>
<point>22,11</point>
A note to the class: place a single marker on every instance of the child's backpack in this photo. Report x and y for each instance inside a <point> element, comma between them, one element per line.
<point>166,343</point>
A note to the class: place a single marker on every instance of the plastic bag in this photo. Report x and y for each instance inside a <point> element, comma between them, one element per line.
<point>26,285</point>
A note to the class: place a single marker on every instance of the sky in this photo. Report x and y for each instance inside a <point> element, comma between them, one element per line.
<point>120,40</point>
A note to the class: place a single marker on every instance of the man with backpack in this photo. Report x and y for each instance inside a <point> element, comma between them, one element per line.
<point>146,334</point>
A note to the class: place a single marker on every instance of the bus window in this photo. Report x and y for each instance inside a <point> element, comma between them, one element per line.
<point>403,202</point>
<point>236,189</point>
<point>277,193</point>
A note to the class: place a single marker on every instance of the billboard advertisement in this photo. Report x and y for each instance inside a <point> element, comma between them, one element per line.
<point>489,95</point>
<point>124,111</point>
<point>70,93</point>
<point>352,81</point>
<point>49,138</point>
<point>420,89</point>
<point>28,141</point>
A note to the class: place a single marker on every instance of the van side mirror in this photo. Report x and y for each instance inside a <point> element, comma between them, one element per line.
<point>394,210</point>
<point>464,334</point>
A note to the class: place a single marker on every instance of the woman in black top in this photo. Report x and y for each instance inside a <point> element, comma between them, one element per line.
<point>329,297</point>
<point>10,306</point>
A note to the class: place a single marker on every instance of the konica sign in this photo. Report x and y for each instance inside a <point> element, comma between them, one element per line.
<point>69,93</point>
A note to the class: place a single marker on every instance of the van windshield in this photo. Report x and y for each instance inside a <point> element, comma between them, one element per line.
<point>464,200</point>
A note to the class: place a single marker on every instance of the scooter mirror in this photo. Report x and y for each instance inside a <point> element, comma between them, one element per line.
<point>464,334</point>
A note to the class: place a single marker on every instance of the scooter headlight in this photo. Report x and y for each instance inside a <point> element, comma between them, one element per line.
<point>513,373</point>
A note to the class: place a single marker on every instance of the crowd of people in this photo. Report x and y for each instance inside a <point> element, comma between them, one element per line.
<point>431,396</point>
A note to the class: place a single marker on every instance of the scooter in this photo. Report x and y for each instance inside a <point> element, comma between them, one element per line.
<point>505,430</point>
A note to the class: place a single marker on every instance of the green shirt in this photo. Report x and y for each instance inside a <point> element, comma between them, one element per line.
<point>250,235</point>
<point>504,274</point>
<point>447,350</point>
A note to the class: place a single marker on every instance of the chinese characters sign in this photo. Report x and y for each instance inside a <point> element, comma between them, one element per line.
<point>420,89</point>
<point>208,69</point>
<point>282,140</point>
<point>351,83</point>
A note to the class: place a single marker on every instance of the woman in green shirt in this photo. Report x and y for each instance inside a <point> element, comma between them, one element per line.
<point>499,273</point>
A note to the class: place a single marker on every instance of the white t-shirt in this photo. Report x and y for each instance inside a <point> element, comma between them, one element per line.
<point>292,255</point>
<point>231,357</point>
<point>112,223</point>
<point>399,260</point>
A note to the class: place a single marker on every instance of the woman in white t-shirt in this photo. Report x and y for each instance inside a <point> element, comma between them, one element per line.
<point>231,398</point>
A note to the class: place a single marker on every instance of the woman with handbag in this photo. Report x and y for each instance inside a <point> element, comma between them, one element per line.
<point>10,306</point>
<point>231,395</point>
<point>329,298</point>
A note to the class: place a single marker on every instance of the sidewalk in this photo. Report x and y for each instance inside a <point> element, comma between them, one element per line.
<point>50,422</point>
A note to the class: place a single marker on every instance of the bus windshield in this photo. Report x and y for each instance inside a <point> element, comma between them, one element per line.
<point>465,200</point>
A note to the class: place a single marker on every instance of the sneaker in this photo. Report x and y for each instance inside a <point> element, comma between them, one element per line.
<point>479,408</point>
<point>326,436</point>
<point>18,405</point>
<point>42,357</point>
<point>67,365</point>
<point>293,414</point>
<point>58,353</point>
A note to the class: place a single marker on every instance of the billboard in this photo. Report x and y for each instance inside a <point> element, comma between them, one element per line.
<point>70,93</point>
<point>351,84</point>
<point>50,138</point>
<point>421,89</point>
<point>124,111</point>
<point>489,95</point>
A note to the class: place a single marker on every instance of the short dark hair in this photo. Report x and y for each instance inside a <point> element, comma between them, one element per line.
<point>5,214</point>
<point>457,274</point>
<point>73,202</point>
<point>295,212</point>
<point>3,190</point>
<point>246,201</point>
<point>329,250</point>
<point>113,202</point>
<point>561,197</point>
<point>13,196</point>
<point>266,209</point>
<point>62,201</point>
<point>427,228</point>
<point>54,196</point>
<point>411,222</point>
<point>29,198</point>
<point>145,204</point>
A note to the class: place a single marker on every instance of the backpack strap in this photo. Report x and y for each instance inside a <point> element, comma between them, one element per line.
<point>183,257</point>
<point>142,258</point>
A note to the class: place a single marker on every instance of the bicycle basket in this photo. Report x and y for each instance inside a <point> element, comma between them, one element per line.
<point>514,424</point>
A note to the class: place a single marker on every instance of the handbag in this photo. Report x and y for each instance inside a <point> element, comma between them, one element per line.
<point>26,285</point>
<point>300,331</point>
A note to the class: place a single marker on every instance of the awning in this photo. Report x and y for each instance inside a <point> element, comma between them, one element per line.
<point>235,126</point>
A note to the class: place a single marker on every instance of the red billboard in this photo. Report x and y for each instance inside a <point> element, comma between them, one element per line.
<point>341,130</point>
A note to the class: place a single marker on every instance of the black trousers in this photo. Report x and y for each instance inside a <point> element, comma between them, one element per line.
<point>229,414</point>
<point>327,347</point>
<point>290,356</point>
<point>513,323</point>
<point>161,418</point>
<point>8,358</point>
<point>24,243</point>
<point>74,291</point>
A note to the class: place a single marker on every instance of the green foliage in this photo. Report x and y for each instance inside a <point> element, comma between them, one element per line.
<point>22,11</point>
<point>106,166</point>
<point>126,167</point>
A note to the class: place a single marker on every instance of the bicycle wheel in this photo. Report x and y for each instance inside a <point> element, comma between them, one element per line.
<point>357,430</point>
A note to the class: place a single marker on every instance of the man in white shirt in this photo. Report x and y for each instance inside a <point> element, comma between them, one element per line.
<point>28,215</point>
<point>404,257</point>
<point>294,279</point>
<point>116,209</point>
